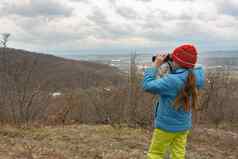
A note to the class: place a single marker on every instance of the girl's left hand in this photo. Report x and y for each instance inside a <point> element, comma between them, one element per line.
<point>159,60</point>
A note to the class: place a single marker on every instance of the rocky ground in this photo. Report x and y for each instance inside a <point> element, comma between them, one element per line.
<point>106,142</point>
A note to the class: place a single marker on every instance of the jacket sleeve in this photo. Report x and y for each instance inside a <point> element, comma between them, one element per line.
<point>159,86</point>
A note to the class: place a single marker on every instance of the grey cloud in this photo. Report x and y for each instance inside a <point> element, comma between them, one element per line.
<point>103,28</point>
<point>154,19</point>
<point>203,16</point>
<point>165,15</point>
<point>127,12</point>
<point>229,8</point>
<point>159,25</point>
<point>168,16</point>
<point>160,15</point>
<point>179,29</point>
<point>157,35</point>
<point>39,31</point>
<point>162,25</point>
<point>184,0</point>
<point>191,30</point>
<point>185,16</point>
<point>36,8</point>
<point>152,28</point>
<point>150,24</point>
<point>144,0</point>
<point>98,17</point>
<point>84,1</point>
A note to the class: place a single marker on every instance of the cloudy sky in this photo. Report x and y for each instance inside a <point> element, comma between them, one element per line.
<point>85,26</point>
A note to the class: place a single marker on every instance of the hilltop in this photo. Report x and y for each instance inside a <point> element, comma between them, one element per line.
<point>57,72</point>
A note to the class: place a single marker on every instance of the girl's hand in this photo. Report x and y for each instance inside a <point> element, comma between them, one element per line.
<point>159,60</point>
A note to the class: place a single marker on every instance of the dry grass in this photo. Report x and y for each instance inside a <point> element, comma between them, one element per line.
<point>105,142</point>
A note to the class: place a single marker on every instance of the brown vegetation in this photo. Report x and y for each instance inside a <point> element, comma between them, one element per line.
<point>106,142</point>
<point>94,93</point>
<point>27,81</point>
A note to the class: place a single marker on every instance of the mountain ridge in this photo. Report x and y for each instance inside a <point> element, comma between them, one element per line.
<point>60,72</point>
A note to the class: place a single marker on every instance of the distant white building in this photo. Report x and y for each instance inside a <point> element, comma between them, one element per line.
<point>107,89</point>
<point>56,94</point>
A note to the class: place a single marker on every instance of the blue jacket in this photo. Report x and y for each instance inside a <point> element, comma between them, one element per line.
<point>167,87</point>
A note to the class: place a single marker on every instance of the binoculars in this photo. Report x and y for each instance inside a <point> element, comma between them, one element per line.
<point>167,58</point>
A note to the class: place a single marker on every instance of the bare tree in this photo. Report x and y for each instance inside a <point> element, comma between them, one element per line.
<point>219,97</point>
<point>4,40</point>
<point>3,71</point>
<point>132,87</point>
<point>22,97</point>
<point>61,115</point>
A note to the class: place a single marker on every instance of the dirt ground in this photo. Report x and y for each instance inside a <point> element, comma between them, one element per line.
<point>106,142</point>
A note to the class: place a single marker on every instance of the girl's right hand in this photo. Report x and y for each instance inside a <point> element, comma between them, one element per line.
<point>159,60</point>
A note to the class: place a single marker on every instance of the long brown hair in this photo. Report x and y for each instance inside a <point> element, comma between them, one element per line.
<point>188,96</point>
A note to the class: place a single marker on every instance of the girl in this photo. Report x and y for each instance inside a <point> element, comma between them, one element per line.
<point>178,91</point>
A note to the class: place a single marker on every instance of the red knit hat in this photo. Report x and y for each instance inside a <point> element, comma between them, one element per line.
<point>185,55</point>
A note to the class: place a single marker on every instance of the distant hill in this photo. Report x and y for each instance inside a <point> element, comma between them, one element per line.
<point>220,54</point>
<point>57,72</point>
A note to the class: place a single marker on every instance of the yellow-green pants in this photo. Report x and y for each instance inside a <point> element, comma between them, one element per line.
<point>163,141</point>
